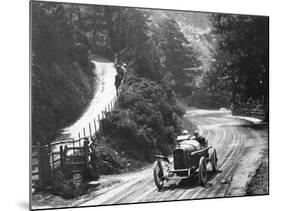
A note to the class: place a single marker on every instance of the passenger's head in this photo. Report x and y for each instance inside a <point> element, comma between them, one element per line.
<point>185,132</point>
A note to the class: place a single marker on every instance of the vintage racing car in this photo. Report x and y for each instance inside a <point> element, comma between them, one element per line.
<point>189,159</point>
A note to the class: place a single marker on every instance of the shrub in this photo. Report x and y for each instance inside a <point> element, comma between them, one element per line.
<point>145,122</point>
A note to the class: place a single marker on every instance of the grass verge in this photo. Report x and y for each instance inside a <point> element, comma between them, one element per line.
<point>259,184</point>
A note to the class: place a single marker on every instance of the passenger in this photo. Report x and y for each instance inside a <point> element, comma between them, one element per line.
<point>203,142</point>
<point>186,133</point>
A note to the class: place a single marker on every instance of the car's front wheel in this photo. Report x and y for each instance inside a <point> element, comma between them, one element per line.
<point>202,173</point>
<point>214,160</point>
<point>158,174</point>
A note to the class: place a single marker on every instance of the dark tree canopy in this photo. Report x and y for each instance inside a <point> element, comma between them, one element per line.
<point>180,59</point>
<point>240,66</point>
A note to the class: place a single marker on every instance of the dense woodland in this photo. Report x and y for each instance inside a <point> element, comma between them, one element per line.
<point>238,76</point>
<point>170,57</point>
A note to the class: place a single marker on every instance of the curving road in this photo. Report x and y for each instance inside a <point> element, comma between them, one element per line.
<point>105,92</point>
<point>239,147</point>
<point>105,73</point>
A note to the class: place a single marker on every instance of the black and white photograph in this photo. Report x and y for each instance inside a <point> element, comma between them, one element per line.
<point>137,105</point>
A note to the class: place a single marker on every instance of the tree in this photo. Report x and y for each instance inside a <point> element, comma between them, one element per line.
<point>179,57</point>
<point>243,40</point>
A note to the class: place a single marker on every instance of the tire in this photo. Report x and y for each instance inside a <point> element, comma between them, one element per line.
<point>202,173</point>
<point>214,160</point>
<point>158,174</point>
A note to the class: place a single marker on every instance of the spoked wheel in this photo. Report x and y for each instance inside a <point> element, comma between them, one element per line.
<point>214,160</point>
<point>158,174</point>
<point>202,173</point>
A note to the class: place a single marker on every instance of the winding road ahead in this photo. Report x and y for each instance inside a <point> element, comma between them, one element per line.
<point>105,92</point>
<point>239,146</point>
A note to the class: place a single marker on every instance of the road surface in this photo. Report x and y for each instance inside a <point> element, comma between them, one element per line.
<point>239,148</point>
<point>105,92</point>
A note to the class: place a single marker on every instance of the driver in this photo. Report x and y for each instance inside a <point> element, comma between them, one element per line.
<point>203,142</point>
<point>185,139</point>
<point>185,132</point>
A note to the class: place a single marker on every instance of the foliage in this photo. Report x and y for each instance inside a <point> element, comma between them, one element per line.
<point>243,56</point>
<point>145,122</point>
<point>239,70</point>
<point>180,59</point>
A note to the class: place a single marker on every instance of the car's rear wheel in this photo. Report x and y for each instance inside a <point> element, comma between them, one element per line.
<point>202,173</point>
<point>158,174</point>
<point>214,160</point>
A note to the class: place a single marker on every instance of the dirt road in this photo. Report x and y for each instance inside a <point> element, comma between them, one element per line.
<point>239,147</point>
<point>105,92</point>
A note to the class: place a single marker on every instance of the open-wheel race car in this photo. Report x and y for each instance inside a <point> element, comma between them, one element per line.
<point>190,159</point>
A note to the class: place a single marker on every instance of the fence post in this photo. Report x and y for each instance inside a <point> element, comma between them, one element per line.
<point>90,130</point>
<point>73,143</point>
<point>61,156</point>
<point>115,101</point>
<point>95,127</point>
<point>53,163</point>
<point>84,132</point>
<point>65,151</point>
<point>45,168</point>
<point>86,143</point>
<point>102,114</point>
<point>99,122</point>
<point>79,140</point>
